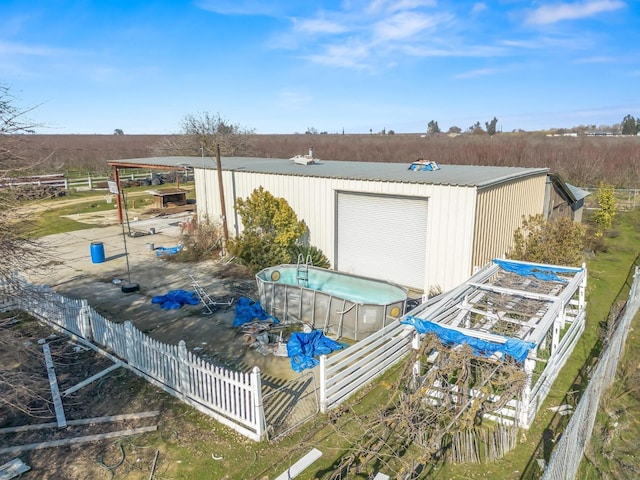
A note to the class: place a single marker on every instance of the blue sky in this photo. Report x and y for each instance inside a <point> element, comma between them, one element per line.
<point>352,66</point>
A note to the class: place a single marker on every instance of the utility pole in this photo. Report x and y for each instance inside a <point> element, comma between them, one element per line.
<point>223,209</point>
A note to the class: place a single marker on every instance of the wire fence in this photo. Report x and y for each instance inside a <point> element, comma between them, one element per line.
<point>626,198</point>
<point>565,459</point>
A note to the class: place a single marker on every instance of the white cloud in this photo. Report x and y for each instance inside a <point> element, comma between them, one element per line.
<point>403,25</point>
<point>478,7</point>
<point>584,41</point>
<point>241,7</point>
<point>481,72</point>
<point>552,13</point>
<point>8,48</point>
<point>469,51</point>
<point>351,54</point>
<point>322,26</point>
<point>591,60</point>
<point>390,6</point>
<point>293,100</point>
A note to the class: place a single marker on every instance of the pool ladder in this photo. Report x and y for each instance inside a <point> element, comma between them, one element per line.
<point>302,270</point>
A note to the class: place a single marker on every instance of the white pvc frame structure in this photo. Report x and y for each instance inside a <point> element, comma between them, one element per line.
<point>495,304</point>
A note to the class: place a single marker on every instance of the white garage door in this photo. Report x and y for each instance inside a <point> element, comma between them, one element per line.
<point>382,236</point>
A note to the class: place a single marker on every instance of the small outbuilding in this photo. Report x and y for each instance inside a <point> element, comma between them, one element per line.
<point>168,197</point>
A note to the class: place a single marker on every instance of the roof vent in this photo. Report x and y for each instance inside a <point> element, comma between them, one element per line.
<point>422,165</point>
<point>304,159</point>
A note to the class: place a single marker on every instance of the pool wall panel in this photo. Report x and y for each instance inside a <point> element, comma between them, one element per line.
<point>335,315</point>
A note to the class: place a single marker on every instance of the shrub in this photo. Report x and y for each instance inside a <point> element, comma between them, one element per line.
<point>200,241</point>
<point>318,258</point>
<point>559,241</point>
<point>271,230</point>
<point>606,212</point>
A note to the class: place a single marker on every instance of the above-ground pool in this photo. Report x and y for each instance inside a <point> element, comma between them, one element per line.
<point>340,304</point>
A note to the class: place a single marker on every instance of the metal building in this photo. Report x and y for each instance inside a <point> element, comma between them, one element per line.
<point>419,228</point>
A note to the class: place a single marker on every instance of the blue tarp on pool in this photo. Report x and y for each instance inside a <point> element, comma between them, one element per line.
<point>174,299</point>
<point>303,347</point>
<point>247,311</point>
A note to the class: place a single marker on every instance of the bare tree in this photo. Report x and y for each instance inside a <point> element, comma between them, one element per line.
<point>13,121</point>
<point>17,249</point>
<point>202,132</point>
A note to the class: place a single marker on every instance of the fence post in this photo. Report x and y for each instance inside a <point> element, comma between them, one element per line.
<point>525,399</point>
<point>259,418</point>
<point>415,340</point>
<point>90,182</point>
<point>582,289</point>
<point>130,342</point>
<point>323,384</point>
<point>85,320</point>
<point>183,368</point>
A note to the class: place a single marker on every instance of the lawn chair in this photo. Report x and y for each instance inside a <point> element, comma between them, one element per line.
<point>209,303</point>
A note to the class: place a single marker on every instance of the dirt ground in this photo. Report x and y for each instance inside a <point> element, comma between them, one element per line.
<point>69,269</point>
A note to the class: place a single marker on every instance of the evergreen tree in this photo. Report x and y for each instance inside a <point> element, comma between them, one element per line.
<point>630,125</point>
<point>491,126</point>
<point>432,127</point>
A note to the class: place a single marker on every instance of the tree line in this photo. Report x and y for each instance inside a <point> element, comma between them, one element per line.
<point>628,126</point>
<point>491,128</point>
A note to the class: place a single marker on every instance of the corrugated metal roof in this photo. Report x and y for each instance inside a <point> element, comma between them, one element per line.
<point>462,175</point>
<point>167,191</point>
<point>577,192</point>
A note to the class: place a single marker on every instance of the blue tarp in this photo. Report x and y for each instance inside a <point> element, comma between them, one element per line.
<point>513,347</point>
<point>247,311</point>
<point>540,272</point>
<point>302,347</point>
<point>174,299</point>
<point>162,251</point>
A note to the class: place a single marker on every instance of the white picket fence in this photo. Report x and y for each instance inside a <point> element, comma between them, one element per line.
<point>232,398</point>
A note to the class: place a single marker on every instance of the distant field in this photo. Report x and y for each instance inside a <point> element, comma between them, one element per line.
<point>583,161</point>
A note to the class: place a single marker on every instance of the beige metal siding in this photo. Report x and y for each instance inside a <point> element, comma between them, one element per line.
<point>451,214</point>
<point>500,212</point>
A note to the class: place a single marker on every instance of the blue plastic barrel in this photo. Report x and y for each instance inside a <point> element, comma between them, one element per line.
<point>97,252</point>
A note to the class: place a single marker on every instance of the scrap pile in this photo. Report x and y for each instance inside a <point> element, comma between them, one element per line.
<point>256,324</point>
<point>257,332</point>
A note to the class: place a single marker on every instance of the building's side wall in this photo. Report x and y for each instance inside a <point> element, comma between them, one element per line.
<point>500,212</point>
<point>556,202</point>
<point>451,212</point>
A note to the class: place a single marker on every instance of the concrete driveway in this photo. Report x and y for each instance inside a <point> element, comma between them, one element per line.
<point>69,268</point>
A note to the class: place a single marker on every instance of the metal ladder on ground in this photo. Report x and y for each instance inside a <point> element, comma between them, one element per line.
<point>302,270</point>
<point>206,299</point>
